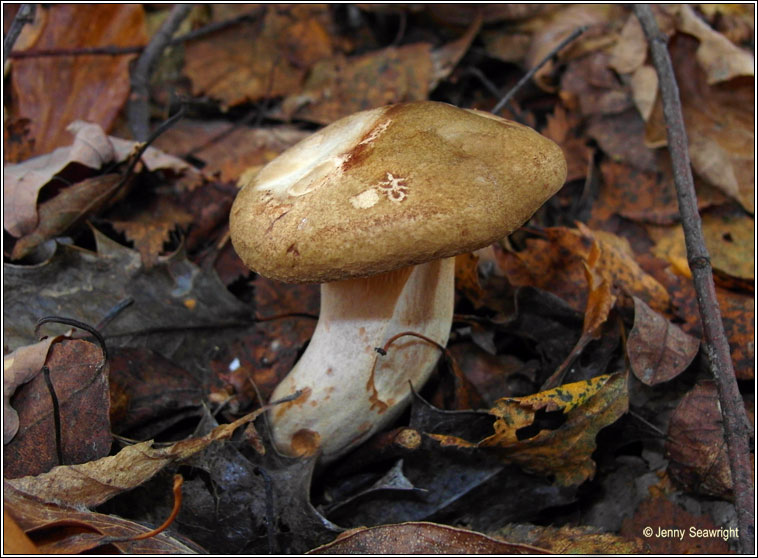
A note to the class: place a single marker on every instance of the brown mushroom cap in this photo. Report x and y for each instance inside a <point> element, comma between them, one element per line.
<point>392,187</point>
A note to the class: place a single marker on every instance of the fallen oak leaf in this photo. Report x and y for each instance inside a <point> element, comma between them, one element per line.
<point>91,484</point>
<point>19,367</point>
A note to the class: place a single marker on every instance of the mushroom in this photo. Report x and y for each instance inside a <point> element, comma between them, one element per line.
<point>374,207</point>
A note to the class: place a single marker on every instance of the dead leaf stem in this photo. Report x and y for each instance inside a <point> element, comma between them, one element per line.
<point>737,429</point>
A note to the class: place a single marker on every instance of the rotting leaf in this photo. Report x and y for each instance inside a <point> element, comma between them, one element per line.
<point>658,350</point>
<point>81,387</point>
<point>60,529</point>
<point>420,538</point>
<point>565,452</point>
<point>228,477</point>
<point>227,148</point>
<point>92,483</point>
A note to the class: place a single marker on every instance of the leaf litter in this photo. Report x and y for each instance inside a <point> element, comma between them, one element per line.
<point>593,295</point>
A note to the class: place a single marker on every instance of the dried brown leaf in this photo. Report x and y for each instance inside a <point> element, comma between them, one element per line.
<point>420,538</point>
<point>695,445</point>
<point>90,484</point>
<point>20,367</point>
<point>657,349</point>
<point>151,227</point>
<point>267,58</point>
<point>68,208</point>
<point>81,387</point>
<point>62,530</point>
<point>53,91</point>
<point>339,86</point>
<point>721,59</point>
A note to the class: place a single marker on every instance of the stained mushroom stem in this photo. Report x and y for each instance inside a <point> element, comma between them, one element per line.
<point>349,391</point>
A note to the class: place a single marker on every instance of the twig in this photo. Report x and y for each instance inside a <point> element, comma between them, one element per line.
<point>24,15</point>
<point>578,31</point>
<point>138,109</point>
<point>737,429</point>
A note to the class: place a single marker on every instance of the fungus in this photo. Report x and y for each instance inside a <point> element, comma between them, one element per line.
<point>374,207</point>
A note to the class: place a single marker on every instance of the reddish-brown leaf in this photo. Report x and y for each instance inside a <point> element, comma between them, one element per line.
<point>656,520</point>
<point>658,350</point>
<point>420,538</point>
<point>82,391</point>
<point>695,445</point>
<point>52,92</point>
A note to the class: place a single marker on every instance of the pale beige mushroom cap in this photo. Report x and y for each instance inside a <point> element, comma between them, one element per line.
<point>392,187</point>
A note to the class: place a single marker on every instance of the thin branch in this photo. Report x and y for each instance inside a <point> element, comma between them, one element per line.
<point>24,15</point>
<point>138,109</point>
<point>737,429</point>
<point>560,46</point>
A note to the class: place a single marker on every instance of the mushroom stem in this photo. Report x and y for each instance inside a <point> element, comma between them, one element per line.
<point>349,391</point>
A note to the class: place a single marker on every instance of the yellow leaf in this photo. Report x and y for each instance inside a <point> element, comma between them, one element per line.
<point>565,452</point>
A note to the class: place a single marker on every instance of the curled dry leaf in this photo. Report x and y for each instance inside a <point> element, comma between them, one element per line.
<point>20,367</point>
<point>22,182</point>
<point>556,264</point>
<point>566,451</point>
<point>91,148</point>
<point>90,484</point>
<point>420,538</point>
<point>658,350</point>
<point>553,28</point>
<point>720,124</point>
<point>721,59</point>
<point>63,530</point>
<point>73,204</point>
